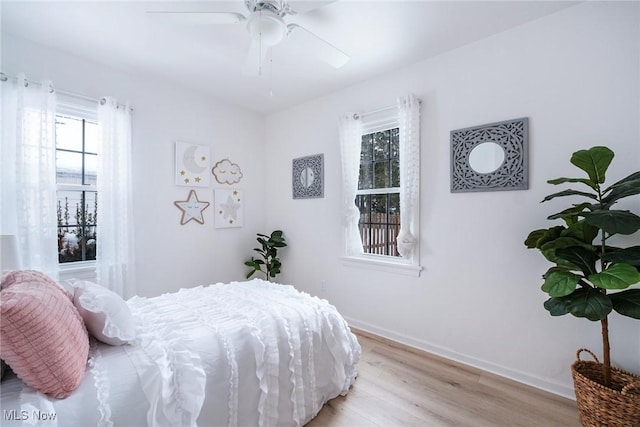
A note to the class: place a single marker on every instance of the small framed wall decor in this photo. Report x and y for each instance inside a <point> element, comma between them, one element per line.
<point>228,204</point>
<point>191,208</point>
<point>308,177</point>
<point>227,172</point>
<point>491,157</point>
<point>192,164</point>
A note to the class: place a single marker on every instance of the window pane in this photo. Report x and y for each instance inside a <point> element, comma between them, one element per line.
<point>381,145</point>
<point>90,208</point>
<point>381,174</point>
<point>365,180</point>
<point>365,149</point>
<point>69,248</point>
<point>90,169</point>
<point>395,173</point>
<point>90,137</point>
<point>68,167</point>
<point>365,235</point>
<point>90,243</point>
<point>394,207</point>
<point>68,133</point>
<point>77,219</point>
<point>363,202</point>
<point>379,208</point>
<point>395,143</point>
<point>69,208</point>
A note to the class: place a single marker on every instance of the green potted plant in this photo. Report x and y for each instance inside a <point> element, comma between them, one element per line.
<point>268,264</point>
<point>591,278</point>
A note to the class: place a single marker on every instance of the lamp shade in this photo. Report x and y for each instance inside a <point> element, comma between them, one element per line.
<point>9,255</point>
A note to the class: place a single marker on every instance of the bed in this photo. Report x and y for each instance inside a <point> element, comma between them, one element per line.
<point>240,354</point>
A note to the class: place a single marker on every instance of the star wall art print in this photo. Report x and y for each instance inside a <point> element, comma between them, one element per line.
<point>228,208</point>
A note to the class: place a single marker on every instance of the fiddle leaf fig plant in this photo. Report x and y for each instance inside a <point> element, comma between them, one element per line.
<point>268,264</point>
<point>590,278</point>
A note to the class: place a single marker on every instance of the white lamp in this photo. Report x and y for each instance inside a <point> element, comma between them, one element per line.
<point>9,256</point>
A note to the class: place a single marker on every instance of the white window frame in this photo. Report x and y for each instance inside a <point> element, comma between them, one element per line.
<point>384,119</point>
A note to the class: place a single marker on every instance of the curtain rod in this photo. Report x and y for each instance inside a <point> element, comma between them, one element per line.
<point>102,101</point>
<point>356,116</point>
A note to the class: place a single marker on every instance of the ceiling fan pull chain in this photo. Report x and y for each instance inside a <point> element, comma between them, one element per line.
<point>271,73</point>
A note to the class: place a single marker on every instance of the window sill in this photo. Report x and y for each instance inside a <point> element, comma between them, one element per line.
<point>84,270</point>
<point>382,264</point>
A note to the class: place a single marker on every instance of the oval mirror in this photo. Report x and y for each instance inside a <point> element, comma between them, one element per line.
<point>486,157</point>
<point>306,177</point>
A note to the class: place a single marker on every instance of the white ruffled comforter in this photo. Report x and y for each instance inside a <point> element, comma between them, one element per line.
<point>241,354</point>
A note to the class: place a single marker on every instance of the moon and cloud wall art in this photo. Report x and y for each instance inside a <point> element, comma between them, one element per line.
<point>193,164</point>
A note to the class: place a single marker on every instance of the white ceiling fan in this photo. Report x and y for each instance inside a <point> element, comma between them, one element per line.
<point>267,28</point>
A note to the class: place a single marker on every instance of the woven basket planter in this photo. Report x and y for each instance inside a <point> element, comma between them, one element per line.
<point>600,406</point>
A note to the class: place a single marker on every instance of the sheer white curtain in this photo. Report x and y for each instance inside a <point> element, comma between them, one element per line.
<point>409,111</point>
<point>115,249</point>
<point>350,145</point>
<point>28,165</point>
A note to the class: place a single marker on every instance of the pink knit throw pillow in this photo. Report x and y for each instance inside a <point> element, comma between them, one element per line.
<point>42,336</point>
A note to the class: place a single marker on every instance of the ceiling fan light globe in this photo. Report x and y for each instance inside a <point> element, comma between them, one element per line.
<point>269,28</point>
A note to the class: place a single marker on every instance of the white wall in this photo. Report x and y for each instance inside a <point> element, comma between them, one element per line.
<point>169,255</point>
<point>575,74</point>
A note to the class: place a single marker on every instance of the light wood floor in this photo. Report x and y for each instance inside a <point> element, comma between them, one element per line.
<point>397,386</point>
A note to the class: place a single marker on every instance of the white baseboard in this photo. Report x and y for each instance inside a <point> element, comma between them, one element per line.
<point>515,375</point>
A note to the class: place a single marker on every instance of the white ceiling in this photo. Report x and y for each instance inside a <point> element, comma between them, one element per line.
<point>380,36</point>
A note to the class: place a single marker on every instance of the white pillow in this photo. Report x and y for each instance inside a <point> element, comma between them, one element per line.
<point>106,315</point>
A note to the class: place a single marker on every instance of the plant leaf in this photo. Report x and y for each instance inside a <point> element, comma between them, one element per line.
<point>581,230</point>
<point>549,249</point>
<point>627,302</point>
<point>569,193</point>
<point>629,256</point>
<point>614,222</point>
<point>557,306</point>
<point>570,213</point>
<point>554,269</point>
<point>595,161</point>
<point>616,276</point>
<point>545,235</point>
<point>633,177</point>
<point>533,237</point>
<point>589,303</point>
<point>560,283</point>
<point>580,257</point>
<point>629,188</point>
<point>582,180</point>
<point>249,274</point>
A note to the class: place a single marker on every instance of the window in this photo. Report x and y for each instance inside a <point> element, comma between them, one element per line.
<point>76,172</point>
<point>378,195</point>
<point>380,163</point>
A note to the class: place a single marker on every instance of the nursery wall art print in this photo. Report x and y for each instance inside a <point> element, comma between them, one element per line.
<point>227,172</point>
<point>191,208</point>
<point>228,204</point>
<point>192,164</point>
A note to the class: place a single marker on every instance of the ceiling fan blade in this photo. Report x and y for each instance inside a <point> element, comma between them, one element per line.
<point>255,58</point>
<point>198,18</point>
<point>304,6</point>
<point>316,46</point>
